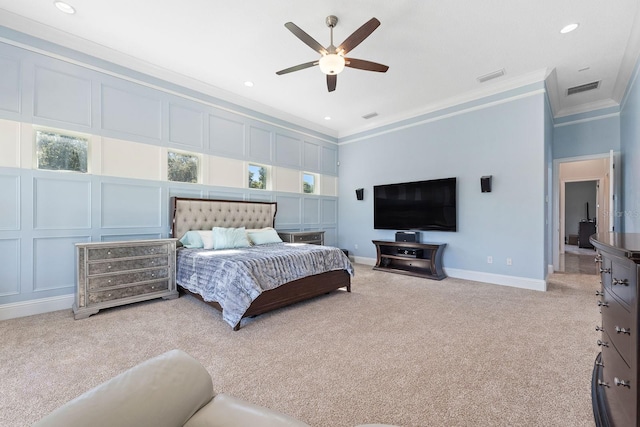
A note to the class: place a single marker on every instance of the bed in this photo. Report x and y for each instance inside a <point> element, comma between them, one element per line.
<point>249,281</point>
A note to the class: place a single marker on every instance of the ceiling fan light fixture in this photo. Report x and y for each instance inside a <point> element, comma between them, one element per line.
<point>332,64</point>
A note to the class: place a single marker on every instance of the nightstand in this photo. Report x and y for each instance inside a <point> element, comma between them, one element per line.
<point>312,237</point>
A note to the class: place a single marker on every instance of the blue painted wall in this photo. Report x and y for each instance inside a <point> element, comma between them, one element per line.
<point>630,150</point>
<point>506,139</point>
<point>587,134</point>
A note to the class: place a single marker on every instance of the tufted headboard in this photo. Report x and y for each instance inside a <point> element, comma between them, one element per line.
<point>204,214</point>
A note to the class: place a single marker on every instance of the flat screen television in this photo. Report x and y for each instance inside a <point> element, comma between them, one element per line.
<point>420,205</point>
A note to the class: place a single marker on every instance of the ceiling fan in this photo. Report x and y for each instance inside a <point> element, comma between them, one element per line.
<point>333,59</point>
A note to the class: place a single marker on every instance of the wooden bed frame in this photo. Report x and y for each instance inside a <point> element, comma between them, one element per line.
<point>203,214</point>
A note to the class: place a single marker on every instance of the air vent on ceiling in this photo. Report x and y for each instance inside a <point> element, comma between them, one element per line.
<point>370,115</point>
<point>583,88</point>
<point>490,76</point>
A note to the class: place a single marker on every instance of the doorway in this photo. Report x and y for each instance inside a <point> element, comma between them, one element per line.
<point>582,198</point>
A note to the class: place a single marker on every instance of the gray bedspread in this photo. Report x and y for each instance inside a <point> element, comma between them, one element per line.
<point>235,277</point>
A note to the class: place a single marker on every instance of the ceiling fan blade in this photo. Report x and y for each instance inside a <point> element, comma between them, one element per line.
<point>306,38</point>
<point>358,36</point>
<point>332,79</point>
<point>297,67</point>
<point>361,64</point>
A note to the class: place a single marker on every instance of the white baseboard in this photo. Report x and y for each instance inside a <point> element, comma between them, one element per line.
<point>38,306</point>
<point>478,276</point>
<point>498,279</point>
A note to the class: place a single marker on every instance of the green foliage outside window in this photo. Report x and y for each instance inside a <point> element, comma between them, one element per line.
<point>61,152</point>
<point>182,167</point>
<point>308,183</point>
<point>257,177</point>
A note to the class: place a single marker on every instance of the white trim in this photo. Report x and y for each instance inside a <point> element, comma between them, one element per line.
<point>37,306</point>
<point>446,116</point>
<point>498,279</point>
<point>479,276</point>
<point>590,119</point>
<point>365,261</point>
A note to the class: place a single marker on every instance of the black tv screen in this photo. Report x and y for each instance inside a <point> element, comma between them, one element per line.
<point>420,205</point>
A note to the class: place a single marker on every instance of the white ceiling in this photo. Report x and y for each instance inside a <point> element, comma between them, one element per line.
<point>435,50</point>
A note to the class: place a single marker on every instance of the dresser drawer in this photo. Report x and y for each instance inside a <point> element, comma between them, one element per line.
<point>315,237</point>
<point>617,323</point>
<point>621,400</point>
<point>623,282</point>
<point>125,251</point>
<point>125,278</point>
<point>97,296</point>
<point>124,265</point>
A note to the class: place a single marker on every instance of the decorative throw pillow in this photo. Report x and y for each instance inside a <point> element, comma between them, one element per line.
<point>191,240</point>
<point>229,238</point>
<point>207,238</point>
<point>262,237</point>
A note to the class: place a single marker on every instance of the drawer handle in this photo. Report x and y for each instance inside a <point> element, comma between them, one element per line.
<point>603,304</point>
<point>109,281</point>
<point>620,282</point>
<point>108,267</point>
<point>603,343</point>
<point>599,293</point>
<point>153,287</point>
<point>108,252</point>
<point>602,383</point>
<point>153,274</point>
<point>622,383</point>
<point>599,329</point>
<point>598,258</point>
<point>620,330</point>
<point>600,364</point>
<point>108,295</point>
<point>605,270</point>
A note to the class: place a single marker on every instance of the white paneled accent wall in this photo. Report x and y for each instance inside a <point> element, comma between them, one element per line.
<point>131,121</point>
<point>9,144</point>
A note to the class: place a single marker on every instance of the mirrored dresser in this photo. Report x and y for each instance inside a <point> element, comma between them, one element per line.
<point>117,273</point>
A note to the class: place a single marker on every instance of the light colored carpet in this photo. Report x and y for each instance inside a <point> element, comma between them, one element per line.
<point>397,350</point>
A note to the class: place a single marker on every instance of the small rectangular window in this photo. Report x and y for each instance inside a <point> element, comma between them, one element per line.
<point>56,151</point>
<point>308,183</point>
<point>183,167</point>
<point>257,177</point>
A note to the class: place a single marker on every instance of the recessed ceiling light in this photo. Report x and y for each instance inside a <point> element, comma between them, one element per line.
<point>248,84</point>
<point>568,28</point>
<point>327,118</point>
<point>64,7</point>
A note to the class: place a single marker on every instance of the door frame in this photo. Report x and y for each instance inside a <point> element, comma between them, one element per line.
<point>558,204</point>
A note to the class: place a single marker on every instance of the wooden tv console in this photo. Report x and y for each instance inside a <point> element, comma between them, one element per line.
<point>413,259</point>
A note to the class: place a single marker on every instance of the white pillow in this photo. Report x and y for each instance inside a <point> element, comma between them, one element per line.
<point>229,238</point>
<point>262,237</point>
<point>207,238</point>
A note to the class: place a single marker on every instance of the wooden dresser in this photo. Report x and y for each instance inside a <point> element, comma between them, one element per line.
<point>615,374</point>
<point>117,273</point>
<point>313,237</point>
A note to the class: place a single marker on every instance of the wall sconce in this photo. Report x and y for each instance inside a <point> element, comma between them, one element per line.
<point>360,193</point>
<point>485,184</point>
